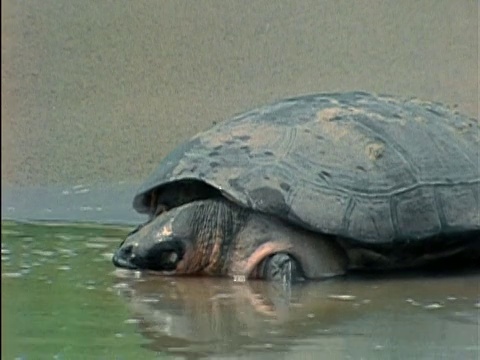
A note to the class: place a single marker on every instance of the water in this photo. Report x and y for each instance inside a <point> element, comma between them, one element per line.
<point>107,203</point>
<point>57,295</point>
<point>63,299</point>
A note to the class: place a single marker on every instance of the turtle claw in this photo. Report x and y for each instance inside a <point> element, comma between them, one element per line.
<point>282,268</point>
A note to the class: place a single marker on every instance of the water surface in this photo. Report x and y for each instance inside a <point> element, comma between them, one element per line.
<point>63,299</point>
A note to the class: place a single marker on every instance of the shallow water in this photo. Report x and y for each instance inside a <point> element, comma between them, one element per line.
<point>63,299</point>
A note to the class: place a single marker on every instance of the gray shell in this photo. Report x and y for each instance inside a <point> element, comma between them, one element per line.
<point>367,167</point>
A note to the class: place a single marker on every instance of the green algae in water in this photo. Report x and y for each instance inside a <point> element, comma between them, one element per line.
<point>58,299</point>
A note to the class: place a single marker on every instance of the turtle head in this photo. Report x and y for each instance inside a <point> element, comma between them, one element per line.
<point>188,239</point>
<point>159,245</point>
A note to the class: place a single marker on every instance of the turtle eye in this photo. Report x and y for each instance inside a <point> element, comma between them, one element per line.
<point>163,256</point>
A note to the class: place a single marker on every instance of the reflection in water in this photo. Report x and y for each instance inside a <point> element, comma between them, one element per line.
<point>341,318</point>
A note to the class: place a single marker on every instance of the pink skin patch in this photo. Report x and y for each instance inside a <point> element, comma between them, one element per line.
<point>250,266</point>
<point>194,260</point>
<point>190,263</point>
<point>201,260</point>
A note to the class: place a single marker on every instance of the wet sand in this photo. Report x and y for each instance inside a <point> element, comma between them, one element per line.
<point>100,91</point>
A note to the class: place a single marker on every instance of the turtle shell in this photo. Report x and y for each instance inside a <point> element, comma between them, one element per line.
<point>372,168</point>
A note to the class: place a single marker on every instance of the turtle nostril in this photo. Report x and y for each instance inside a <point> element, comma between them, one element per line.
<point>126,251</point>
<point>124,257</point>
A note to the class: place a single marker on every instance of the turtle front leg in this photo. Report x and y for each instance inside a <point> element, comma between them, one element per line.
<point>268,248</point>
<point>281,267</point>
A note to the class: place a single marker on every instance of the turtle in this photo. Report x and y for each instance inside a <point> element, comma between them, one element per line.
<point>312,187</point>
